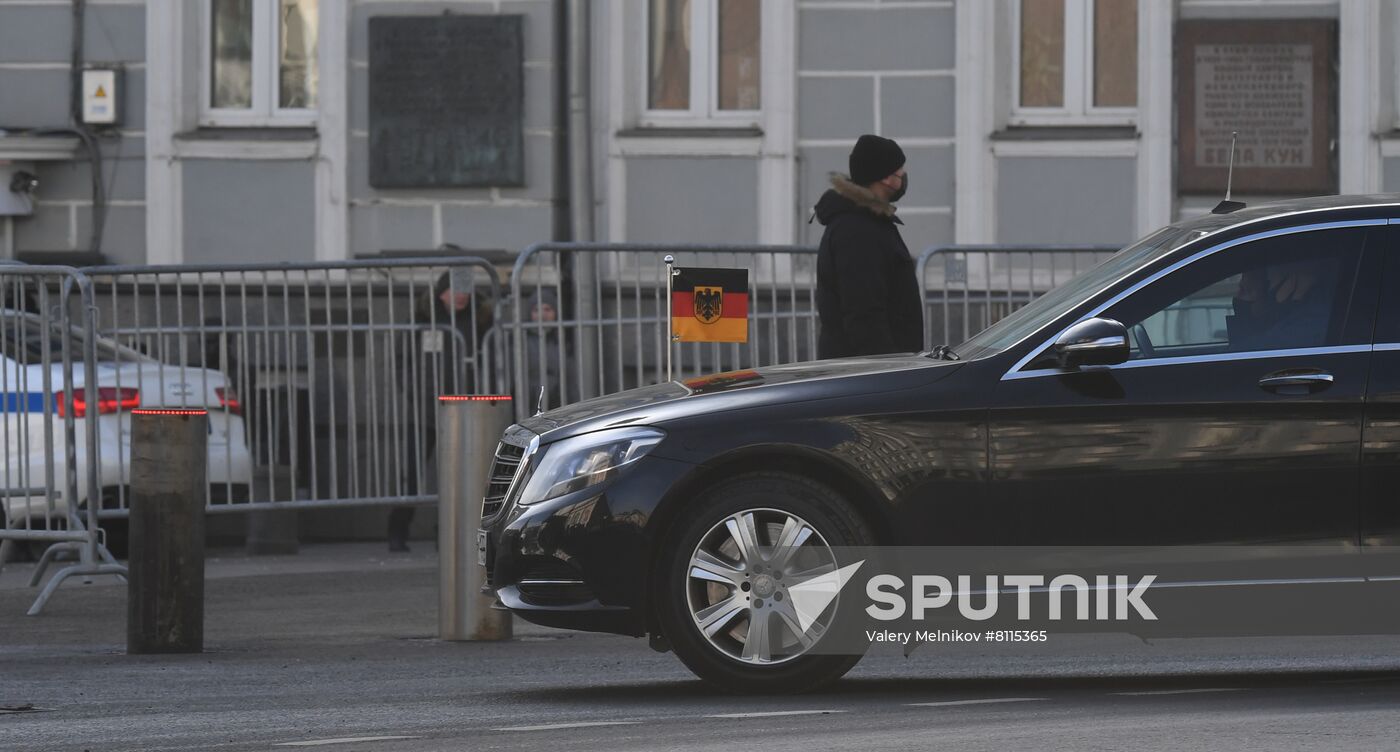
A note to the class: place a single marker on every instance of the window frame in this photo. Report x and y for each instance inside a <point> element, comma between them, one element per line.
<point>704,75</point>
<point>266,81</point>
<point>1078,93</point>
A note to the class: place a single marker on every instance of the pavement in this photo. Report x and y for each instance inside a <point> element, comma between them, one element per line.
<point>335,648</point>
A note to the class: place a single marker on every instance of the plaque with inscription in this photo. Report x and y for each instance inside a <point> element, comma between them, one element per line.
<point>446,100</point>
<point>1270,81</point>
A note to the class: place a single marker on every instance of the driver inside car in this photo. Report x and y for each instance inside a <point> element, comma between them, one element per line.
<point>1280,306</point>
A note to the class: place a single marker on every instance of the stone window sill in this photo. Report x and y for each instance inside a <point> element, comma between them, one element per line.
<point>668,132</point>
<point>247,143</point>
<point>1066,141</point>
<point>688,142</point>
<point>1067,133</point>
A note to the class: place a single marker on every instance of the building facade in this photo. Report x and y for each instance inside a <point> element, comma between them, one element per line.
<point>245,129</point>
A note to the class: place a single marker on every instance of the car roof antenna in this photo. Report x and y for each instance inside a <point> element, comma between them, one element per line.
<point>1227,206</point>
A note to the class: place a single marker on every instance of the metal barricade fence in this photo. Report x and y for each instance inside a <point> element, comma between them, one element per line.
<point>320,379</point>
<point>52,391</point>
<point>615,337</point>
<point>968,288</point>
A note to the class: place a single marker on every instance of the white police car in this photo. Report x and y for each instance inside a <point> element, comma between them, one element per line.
<point>126,379</point>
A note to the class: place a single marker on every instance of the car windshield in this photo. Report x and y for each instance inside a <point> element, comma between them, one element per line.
<point>1053,304</point>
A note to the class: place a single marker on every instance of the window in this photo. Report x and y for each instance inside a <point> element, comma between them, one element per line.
<point>259,62</point>
<point>27,341</point>
<point>1060,300</point>
<point>703,61</point>
<point>1292,291</point>
<point>1076,62</point>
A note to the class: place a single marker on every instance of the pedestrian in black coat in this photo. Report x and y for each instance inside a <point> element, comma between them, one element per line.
<point>869,300</point>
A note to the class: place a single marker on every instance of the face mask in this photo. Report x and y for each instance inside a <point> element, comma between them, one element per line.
<point>903,186</point>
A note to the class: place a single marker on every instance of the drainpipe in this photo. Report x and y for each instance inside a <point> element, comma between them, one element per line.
<point>584,266</point>
<point>580,132</point>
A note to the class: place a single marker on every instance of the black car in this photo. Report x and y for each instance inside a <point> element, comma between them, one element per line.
<point>1233,379</point>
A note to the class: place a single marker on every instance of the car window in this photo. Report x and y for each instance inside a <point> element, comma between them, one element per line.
<point>1387,329</point>
<point>1285,292</point>
<point>25,341</point>
<point>1050,306</point>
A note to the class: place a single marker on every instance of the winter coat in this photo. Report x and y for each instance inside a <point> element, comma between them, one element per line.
<point>440,354</point>
<point>547,363</point>
<point>868,297</point>
<point>551,366</point>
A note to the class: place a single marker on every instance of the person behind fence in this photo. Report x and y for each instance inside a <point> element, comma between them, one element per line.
<point>545,360</point>
<point>868,296</point>
<point>450,320</point>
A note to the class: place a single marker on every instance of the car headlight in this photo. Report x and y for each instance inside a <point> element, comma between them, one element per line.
<point>582,461</point>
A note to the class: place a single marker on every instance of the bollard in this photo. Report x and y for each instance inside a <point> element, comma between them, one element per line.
<point>469,427</point>
<point>165,585</point>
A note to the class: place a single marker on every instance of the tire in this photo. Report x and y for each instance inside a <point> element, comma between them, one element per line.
<point>725,659</point>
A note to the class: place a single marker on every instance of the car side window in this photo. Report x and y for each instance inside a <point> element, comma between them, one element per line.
<point>1387,330</point>
<point>24,342</point>
<point>1285,292</point>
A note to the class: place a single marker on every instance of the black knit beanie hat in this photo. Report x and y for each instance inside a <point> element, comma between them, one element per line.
<point>874,158</point>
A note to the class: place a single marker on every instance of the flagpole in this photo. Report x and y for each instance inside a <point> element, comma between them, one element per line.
<point>670,334</point>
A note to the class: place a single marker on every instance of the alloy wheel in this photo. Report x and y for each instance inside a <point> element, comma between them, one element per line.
<point>738,585</point>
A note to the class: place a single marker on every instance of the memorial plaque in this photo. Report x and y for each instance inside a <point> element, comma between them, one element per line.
<point>1272,82</point>
<point>445,101</point>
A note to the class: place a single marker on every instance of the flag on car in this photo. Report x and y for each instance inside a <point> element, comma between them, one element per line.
<point>710,305</point>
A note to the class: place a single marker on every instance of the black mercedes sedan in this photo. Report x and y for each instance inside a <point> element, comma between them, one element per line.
<point>1228,380</point>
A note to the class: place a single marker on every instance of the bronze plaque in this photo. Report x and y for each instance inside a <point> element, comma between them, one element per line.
<point>446,101</point>
<point>1272,82</point>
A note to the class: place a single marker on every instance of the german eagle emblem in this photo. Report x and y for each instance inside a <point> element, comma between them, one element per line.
<point>709,304</point>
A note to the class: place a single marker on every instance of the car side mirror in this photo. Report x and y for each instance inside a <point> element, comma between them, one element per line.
<point>1092,342</point>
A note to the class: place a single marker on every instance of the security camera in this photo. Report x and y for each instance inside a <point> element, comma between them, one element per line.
<point>24,183</point>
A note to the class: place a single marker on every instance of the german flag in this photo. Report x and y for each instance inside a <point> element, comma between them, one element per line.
<point>710,305</point>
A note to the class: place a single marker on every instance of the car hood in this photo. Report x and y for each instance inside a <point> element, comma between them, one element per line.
<point>733,390</point>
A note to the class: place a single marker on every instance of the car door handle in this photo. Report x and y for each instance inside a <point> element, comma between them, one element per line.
<point>1296,381</point>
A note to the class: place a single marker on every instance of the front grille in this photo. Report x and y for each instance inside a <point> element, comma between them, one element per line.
<point>503,471</point>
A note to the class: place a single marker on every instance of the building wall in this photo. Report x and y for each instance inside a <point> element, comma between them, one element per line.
<point>248,211</point>
<point>1390,178</point>
<point>932,74</point>
<point>1034,208</point>
<point>878,68</point>
<point>484,219</point>
<point>34,85</point>
<point>705,200</point>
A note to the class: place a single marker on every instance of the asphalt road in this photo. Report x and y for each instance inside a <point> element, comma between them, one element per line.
<point>337,645</point>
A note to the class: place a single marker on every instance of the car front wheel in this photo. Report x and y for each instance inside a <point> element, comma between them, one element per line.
<point>726,585</point>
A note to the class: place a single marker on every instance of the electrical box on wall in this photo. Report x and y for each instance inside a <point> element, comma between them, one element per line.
<point>101,96</point>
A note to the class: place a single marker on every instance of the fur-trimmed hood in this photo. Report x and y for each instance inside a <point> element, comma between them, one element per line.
<point>846,196</point>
